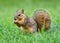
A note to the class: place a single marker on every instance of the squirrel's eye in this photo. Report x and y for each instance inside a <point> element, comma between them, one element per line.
<point>19,14</point>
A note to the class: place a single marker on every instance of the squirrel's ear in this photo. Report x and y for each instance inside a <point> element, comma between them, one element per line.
<point>22,11</point>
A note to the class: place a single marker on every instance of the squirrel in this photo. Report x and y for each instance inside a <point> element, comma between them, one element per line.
<point>32,24</point>
<point>26,23</point>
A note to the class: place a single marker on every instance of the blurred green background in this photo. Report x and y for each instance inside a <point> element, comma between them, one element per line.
<point>10,33</point>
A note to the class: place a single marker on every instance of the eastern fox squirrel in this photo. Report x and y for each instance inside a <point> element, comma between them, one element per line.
<point>26,23</point>
<point>32,24</point>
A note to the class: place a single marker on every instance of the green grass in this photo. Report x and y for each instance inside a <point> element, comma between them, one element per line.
<point>10,33</point>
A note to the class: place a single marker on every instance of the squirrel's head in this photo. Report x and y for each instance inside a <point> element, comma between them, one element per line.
<point>19,17</point>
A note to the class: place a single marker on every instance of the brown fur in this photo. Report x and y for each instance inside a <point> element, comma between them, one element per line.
<point>42,19</point>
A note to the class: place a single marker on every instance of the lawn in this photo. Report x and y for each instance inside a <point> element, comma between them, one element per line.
<point>10,33</point>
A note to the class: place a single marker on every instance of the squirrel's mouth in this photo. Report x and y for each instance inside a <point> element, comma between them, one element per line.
<point>17,24</point>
